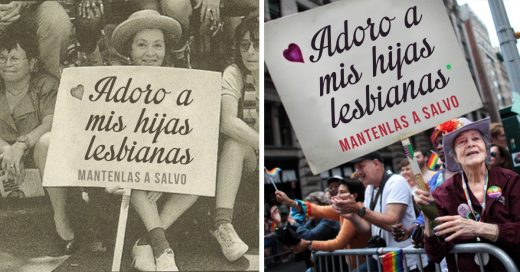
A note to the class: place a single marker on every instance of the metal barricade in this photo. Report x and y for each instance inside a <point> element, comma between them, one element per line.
<point>322,258</point>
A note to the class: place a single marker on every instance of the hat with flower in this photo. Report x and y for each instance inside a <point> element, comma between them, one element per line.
<point>455,128</point>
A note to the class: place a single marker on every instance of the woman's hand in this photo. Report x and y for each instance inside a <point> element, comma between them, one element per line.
<point>345,204</point>
<point>422,197</point>
<point>301,247</point>
<point>10,12</point>
<point>87,8</point>
<point>12,158</point>
<point>282,198</point>
<point>153,196</point>
<point>210,11</point>
<point>456,226</point>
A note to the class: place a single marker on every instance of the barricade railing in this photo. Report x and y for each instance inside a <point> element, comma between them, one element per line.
<point>323,263</point>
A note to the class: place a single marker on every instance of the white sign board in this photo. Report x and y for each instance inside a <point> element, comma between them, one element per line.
<point>147,128</point>
<point>356,76</point>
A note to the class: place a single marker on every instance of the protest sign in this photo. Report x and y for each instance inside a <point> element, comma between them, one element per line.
<point>147,128</point>
<point>356,76</point>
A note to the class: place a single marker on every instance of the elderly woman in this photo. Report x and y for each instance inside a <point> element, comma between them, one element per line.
<point>478,204</point>
<point>27,102</point>
<point>145,38</point>
<point>348,236</point>
<point>239,126</point>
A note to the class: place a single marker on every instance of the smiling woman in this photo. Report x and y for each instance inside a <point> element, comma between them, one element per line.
<point>478,204</point>
<point>27,101</point>
<point>146,37</point>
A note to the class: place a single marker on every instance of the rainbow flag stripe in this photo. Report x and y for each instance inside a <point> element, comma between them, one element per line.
<point>433,161</point>
<point>393,261</point>
<point>273,172</point>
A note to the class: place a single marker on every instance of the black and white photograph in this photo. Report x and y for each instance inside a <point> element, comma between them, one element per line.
<point>129,135</point>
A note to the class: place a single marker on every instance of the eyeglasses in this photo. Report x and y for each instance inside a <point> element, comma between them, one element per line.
<point>245,45</point>
<point>14,60</point>
<point>493,154</point>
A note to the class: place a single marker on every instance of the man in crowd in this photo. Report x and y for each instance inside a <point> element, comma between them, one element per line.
<point>422,159</point>
<point>388,200</point>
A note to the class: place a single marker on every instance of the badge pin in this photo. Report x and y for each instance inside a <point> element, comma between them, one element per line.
<point>494,192</point>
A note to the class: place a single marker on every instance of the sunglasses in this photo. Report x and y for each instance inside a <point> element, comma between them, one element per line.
<point>493,154</point>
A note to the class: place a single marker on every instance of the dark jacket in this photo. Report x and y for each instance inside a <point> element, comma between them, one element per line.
<point>504,211</point>
<point>318,229</point>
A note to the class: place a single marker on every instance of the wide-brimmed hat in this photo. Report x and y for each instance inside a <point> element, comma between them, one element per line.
<point>461,125</point>
<point>144,19</point>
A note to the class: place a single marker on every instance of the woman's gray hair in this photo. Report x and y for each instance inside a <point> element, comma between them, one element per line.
<point>318,198</point>
<point>487,143</point>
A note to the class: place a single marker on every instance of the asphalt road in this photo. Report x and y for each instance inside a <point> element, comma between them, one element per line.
<point>29,241</point>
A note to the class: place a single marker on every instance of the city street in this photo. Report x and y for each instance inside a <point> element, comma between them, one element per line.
<point>29,240</point>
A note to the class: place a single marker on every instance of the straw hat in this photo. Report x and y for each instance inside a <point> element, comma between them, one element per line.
<point>144,19</point>
<point>461,125</point>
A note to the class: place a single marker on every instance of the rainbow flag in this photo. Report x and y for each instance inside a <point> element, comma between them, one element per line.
<point>273,172</point>
<point>393,261</point>
<point>433,161</point>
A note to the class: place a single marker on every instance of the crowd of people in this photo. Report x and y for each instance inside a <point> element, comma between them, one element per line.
<point>38,39</point>
<point>473,188</point>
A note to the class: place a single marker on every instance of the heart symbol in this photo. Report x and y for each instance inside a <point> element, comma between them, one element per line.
<point>77,92</point>
<point>293,53</point>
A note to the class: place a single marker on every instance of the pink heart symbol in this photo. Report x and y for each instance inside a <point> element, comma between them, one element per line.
<point>293,53</point>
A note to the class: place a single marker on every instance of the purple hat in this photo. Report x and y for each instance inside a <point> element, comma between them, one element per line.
<point>463,124</point>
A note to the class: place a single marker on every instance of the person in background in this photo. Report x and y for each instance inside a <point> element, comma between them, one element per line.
<point>239,134</point>
<point>48,21</point>
<point>27,100</point>
<point>422,159</point>
<point>498,135</point>
<point>500,157</point>
<point>478,204</point>
<point>406,172</point>
<point>333,185</point>
<point>348,237</point>
<point>388,200</point>
<point>315,228</point>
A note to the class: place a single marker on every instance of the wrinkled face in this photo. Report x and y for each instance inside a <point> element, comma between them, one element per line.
<point>367,172</point>
<point>470,149</point>
<point>406,172</point>
<point>496,157</point>
<point>249,52</point>
<point>148,48</point>
<point>14,65</point>
<point>421,159</point>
